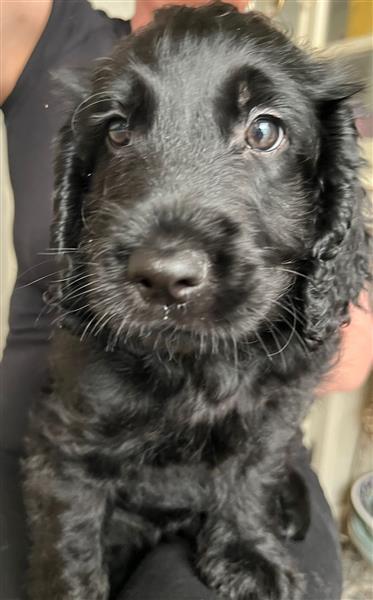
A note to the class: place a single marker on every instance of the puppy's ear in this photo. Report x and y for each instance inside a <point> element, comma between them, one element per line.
<point>70,177</point>
<point>70,184</point>
<point>341,256</point>
<point>71,86</point>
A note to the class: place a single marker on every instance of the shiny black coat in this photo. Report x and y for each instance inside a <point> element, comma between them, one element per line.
<point>167,417</point>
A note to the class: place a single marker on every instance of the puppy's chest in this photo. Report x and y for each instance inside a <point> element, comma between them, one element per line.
<point>160,439</point>
<point>157,492</point>
<point>190,426</point>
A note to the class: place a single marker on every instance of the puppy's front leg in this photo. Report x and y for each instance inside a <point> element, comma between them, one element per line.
<point>66,517</point>
<point>293,506</point>
<point>239,555</point>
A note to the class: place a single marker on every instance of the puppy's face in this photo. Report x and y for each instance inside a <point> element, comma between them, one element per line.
<point>200,141</point>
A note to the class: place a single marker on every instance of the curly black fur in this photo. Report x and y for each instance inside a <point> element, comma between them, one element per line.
<point>180,417</point>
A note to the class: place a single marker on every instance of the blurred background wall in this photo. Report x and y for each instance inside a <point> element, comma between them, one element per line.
<point>337,27</point>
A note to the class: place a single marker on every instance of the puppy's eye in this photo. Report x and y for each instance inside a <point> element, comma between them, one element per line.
<point>118,133</point>
<point>264,134</point>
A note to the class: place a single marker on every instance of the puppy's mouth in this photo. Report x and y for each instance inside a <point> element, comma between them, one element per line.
<point>198,335</point>
<point>179,328</point>
<point>180,314</point>
<point>165,317</point>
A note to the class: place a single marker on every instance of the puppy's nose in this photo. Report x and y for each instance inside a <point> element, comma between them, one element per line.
<point>168,277</point>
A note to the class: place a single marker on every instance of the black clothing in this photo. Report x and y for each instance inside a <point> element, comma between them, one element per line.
<point>74,36</point>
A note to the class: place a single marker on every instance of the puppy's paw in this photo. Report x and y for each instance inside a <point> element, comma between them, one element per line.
<point>294,523</point>
<point>252,577</point>
<point>294,508</point>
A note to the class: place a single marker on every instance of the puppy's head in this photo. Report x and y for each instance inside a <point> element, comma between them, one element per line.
<point>207,188</point>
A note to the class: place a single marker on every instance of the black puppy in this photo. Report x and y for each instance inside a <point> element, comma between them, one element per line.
<point>210,222</point>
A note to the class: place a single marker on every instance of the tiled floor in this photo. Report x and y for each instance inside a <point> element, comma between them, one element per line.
<point>358,576</point>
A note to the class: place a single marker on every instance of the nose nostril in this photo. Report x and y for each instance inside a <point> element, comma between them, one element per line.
<point>186,282</point>
<point>145,283</point>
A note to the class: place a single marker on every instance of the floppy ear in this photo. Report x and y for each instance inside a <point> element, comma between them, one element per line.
<point>70,171</point>
<point>75,157</point>
<point>340,257</point>
<point>70,183</point>
<point>70,179</point>
<point>69,186</point>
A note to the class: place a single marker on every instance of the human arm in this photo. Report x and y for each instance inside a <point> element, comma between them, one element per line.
<point>356,354</point>
<point>22,23</point>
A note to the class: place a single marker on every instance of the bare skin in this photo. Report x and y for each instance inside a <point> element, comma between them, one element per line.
<point>145,8</point>
<point>21,26</point>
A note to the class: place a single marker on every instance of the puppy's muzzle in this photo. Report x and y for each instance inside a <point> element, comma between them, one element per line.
<point>169,277</point>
